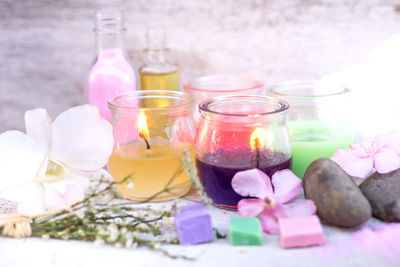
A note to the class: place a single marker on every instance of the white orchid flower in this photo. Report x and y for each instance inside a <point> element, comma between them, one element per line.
<point>52,164</point>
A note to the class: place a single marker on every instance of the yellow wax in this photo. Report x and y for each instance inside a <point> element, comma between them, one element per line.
<point>152,169</point>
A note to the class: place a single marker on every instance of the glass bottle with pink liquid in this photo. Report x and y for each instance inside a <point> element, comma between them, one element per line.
<point>111,73</point>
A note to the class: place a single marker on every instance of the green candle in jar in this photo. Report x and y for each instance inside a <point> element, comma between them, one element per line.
<point>319,119</point>
<point>312,140</point>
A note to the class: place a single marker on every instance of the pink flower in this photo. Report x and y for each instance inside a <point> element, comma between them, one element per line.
<point>381,155</point>
<point>269,200</point>
<point>391,139</point>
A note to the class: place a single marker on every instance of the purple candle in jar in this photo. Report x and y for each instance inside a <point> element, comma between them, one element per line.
<point>240,133</point>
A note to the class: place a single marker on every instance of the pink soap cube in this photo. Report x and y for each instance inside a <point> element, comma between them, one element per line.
<point>301,231</point>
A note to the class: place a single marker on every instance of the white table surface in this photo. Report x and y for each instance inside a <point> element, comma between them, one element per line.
<point>38,252</point>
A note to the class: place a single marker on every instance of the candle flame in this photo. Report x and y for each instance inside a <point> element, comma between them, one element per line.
<point>142,124</point>
<point>257,139</point>
<point>261,138</point>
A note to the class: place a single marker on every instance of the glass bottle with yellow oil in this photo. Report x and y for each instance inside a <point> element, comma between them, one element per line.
<point>157,73</point>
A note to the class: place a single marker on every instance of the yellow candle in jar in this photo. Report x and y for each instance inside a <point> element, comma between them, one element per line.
<point>152,169</point>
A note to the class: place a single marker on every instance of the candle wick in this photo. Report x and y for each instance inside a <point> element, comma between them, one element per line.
<point>257,146</point>
<point>145,140</point>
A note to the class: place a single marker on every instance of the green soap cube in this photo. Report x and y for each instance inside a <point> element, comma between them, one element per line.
<point>245,231</point>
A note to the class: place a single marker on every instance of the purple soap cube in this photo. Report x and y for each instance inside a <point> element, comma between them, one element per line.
<point>193,224</point>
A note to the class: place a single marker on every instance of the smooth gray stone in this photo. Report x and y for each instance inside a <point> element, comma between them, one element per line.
<point>338,199</point>
<point>383,193</point>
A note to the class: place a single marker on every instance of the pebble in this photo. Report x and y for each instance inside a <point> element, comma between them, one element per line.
<point>383,193</point>
<point>338,199</point>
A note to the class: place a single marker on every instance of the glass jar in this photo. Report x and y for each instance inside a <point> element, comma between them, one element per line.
<point>150,142</point>
<point>319,120</point>
<point>213,86</point>
<point>238,133</point>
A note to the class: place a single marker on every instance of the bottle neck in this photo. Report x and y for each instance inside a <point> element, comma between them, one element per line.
<point>155,56</point>
<point>110,30</point>
<point>113,40</point>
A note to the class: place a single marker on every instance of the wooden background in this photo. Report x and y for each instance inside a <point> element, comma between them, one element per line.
<point>46,46</point>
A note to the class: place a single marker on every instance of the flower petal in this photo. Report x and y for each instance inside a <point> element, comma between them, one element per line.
<point>62,193</point>
<point>38,127</point>
<point>358,147</point>
<point>352,163</point>
<point>89,180</point>
<point>253,183</point>
<point>365,149</point>
<point>19,159</point>
<point>29,198</point>
<point>391,140</point>
<point>286,185</point>
<point>33,202</point>
<point>269,222</point>
<point>81,138</point>
<point>386,160</point>
<point>301,207</point>
<point>250,207</point>
<point>381,139</point>
<point>395,141</point>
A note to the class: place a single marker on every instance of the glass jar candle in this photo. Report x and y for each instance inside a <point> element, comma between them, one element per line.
<point>238,133</point>
<point>150,141</point>
<point>319,119</point>
<point>213,86</point>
